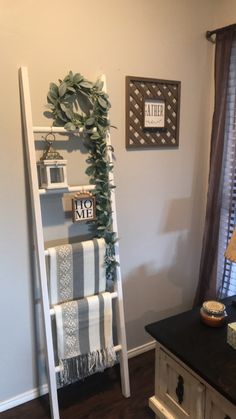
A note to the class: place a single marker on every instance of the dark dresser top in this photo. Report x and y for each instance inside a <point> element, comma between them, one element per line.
<point>202,348</point>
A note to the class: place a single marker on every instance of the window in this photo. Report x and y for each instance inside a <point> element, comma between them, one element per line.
<point>226,270</point>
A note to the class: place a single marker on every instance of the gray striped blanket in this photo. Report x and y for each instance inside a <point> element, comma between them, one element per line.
<point>84,337</point>
<point>76,270</point>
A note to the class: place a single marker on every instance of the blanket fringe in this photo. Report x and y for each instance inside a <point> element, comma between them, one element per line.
<point>81,366</point>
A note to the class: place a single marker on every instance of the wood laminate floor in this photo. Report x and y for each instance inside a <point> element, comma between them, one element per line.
<point>99,396</point>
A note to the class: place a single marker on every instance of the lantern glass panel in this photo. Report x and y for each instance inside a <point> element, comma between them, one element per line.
<point>56,174</point>
<point>43,176</point>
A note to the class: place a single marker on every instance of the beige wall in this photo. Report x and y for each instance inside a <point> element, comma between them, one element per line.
<point>160,193</point>
<point>224,13</point>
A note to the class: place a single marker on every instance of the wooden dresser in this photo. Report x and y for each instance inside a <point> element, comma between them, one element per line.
<point>195,371</point>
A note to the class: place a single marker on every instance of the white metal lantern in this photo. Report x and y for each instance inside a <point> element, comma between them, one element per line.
<point>52,168</point>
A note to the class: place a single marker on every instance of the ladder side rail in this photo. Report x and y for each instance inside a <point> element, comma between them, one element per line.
<point>121,332</point>
<point>39,240</point>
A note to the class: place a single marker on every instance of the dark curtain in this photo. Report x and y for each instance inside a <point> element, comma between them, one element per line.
<point>207,277</point>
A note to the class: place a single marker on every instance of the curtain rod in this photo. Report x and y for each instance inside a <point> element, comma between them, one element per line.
<point>209,34</point>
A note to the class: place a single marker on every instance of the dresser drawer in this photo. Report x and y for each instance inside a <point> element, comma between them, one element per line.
<point>180,392</point>
<point>218,407</point>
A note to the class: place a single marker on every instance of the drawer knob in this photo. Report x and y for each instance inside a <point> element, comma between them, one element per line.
<point>180,389</point>
<point>227,417</point>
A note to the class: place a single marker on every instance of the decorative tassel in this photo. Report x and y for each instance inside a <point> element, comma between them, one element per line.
<point>82,366</point>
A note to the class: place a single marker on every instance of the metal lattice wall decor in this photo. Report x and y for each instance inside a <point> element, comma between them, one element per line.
<point>152,113</point>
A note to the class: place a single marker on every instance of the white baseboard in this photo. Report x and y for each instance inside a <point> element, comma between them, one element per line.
<point>23,398</point>
<point>34,393</point>
<point>141,349</point>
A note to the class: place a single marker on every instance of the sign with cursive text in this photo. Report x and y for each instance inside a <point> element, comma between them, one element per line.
<point>154,114</point>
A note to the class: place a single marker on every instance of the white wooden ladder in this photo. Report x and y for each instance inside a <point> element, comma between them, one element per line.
<point>39,251</point>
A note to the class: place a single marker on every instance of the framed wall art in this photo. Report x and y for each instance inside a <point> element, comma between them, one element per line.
<point>152,113</point>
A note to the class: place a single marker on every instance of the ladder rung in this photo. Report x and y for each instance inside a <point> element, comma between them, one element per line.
<point>113,295</point>
<point>60,130</point>
<point>76,188</point>
<point>117,348</point>
<point>53,129</point>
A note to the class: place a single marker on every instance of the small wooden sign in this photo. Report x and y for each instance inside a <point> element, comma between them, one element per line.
<point>83,207</point>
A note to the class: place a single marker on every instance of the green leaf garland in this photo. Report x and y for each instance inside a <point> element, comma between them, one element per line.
<point>77,104</point>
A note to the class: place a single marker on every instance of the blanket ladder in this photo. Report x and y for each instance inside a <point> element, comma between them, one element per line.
<point>39,251</point>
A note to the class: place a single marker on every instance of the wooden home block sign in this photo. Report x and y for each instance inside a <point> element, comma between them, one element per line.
<point>83,207</point>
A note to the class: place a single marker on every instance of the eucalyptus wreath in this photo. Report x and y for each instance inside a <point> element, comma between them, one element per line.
<point>78,104</point>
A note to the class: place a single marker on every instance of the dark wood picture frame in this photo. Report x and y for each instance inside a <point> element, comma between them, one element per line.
<point>138,91</point>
